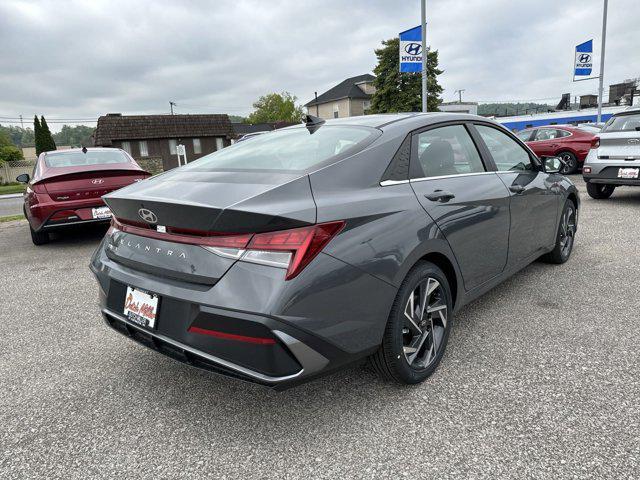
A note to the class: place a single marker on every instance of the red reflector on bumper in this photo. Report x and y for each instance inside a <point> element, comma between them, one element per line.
<point>232,336</point>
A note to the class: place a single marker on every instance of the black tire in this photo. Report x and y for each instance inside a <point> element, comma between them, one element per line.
<point>600,191</point>
<point>39,238</point>
<point>565,238</point>
<point>571,161</point>
<point>392,360</point>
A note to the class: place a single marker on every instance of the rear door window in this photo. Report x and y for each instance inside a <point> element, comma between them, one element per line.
<point>445,151</point>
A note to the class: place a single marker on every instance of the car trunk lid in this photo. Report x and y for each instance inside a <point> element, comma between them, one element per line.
<point>89,184</point>
<point>619,145</point>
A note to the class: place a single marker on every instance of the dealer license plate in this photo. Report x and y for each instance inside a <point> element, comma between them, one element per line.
<point>628,172</point>
<point>141,307</point>
<point>101,212</point>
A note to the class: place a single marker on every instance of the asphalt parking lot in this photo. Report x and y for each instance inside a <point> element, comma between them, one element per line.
<point>541,379</point>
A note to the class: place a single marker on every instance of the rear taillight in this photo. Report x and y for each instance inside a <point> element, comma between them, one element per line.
<point>293,249</point>
<point>290,249</point>
<point>595,142</point>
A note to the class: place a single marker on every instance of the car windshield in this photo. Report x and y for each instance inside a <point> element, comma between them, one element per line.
<point>294,149</point>
<point>74,158</point>
<point>623,123</point>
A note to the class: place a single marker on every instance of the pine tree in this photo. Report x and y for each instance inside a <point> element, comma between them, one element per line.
<point>37,135</point>
<point>402,92</point>
<point>48,143</point>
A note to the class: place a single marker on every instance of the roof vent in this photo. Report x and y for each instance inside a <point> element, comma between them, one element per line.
<point>114,114</point>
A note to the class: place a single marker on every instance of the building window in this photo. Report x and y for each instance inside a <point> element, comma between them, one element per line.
<point>366,105</point>
<point>144,148</point>
<point>126,146</point>
<point>197,148</point>
<point>336,110</point>
<point>219,143</point>
<point>173,146</point>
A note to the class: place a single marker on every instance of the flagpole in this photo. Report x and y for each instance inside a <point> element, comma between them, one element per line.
<point>425,51</point>
<point>601,81</point>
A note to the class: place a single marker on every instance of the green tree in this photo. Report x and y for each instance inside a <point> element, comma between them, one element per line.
<point>77,136</point>
<point>47,140</point>
<point>276,107</point>
<point>9,153</point>
<point>402,92</point>
<point>37,135</point>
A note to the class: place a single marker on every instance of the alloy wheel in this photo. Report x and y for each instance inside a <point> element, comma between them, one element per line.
<point>425,323</point>
<point>567,231</point>
<point>570,161</point>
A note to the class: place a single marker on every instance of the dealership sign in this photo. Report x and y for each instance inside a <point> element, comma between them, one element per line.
<point>411,50</point>
<point>584,59</point>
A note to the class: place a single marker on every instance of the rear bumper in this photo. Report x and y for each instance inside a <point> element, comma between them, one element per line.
<point>607,173</point>
<point>308,331</point>
<point>47,216</point>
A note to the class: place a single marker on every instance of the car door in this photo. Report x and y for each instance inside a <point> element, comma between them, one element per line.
<point>469,204</point>
<point>544,141</point>
<point>534,201</point>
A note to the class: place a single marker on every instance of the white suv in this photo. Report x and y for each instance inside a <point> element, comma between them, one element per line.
<point>614,158</point>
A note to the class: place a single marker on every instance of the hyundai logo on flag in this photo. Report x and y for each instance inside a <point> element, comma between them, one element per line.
<point>413,49</point>
<point>584,58</point>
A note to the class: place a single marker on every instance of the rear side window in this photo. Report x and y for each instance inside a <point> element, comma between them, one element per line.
<point>294,149</point>
<point>524,135</point>
<point>73,158</point>
<point>446,151</point>
<point>507,154</point>
<point>623,123</point>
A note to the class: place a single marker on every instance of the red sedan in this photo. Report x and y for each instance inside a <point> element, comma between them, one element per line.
<point>67,187</point>
<point>570,143</point>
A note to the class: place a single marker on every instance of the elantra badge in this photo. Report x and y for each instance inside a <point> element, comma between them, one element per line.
<point>147,215</point>
<point>97,181</point>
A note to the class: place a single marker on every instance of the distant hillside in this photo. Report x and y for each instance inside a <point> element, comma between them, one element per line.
<point>507,109</point>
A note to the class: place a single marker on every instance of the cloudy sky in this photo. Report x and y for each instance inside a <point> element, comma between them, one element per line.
<point>82,59</point>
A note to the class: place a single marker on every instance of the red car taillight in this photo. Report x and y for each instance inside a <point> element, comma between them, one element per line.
<point>595,142</point>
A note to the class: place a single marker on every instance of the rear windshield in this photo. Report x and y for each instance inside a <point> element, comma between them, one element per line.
<point>294,149</point>
<point>623,123</point>
<point>74,158</point>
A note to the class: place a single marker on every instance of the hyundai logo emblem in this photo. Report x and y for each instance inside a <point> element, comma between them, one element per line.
<point>633,141</point>
<point>97,181</point>
<point>147,215</point>
<point>413,48</point>
<point>584,58</point>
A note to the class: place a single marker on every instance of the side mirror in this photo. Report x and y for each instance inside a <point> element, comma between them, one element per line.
<point>553,164</point>
<point>23,178</point>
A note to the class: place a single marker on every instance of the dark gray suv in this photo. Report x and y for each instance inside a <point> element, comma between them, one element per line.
<point>314,246</point>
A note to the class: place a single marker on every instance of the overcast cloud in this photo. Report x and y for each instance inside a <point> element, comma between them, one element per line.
<point>84,59</point>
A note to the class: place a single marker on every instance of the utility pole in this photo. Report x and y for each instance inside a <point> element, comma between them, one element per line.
<point>425,52</point>
<point>22,124</point>
<point>601,80</point>
<point>172,104</point>
<point>459,92</point>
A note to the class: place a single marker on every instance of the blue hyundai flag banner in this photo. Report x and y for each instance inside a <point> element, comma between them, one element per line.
<point>584,59</point>
<point>411,50</point>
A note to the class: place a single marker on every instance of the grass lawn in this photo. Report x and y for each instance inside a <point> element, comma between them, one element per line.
<point>10,218</point>
<point>12,188</point>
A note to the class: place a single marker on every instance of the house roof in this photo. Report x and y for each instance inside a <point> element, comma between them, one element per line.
<point>346,89</point>
<point>142,127</point>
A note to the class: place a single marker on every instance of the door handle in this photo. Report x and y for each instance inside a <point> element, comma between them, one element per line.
<point>440,196</point>
<point>517,188</point>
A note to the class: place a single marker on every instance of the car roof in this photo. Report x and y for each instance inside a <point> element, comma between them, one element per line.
<point>409,118</point>
<point>71,150</point>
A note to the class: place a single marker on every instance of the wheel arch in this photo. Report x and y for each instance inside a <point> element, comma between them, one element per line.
<point>446,265</point>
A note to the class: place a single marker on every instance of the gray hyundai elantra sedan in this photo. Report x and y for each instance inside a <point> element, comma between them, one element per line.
<point>311,247</point>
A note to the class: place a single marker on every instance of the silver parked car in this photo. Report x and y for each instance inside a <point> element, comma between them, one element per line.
<point>614,158</point>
